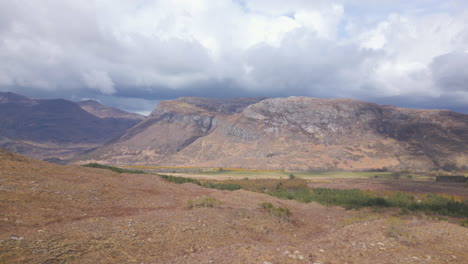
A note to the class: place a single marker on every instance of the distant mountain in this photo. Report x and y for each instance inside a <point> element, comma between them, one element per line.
<point>54,128</point>
<point>13,98</point>
<point>295,133</point>
<point>95,108</point>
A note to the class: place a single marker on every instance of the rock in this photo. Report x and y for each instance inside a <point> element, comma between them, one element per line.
<point>15,237</point>
<point>208,131</point>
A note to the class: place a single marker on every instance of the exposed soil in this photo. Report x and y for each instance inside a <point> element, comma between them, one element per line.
<point>69,214</point>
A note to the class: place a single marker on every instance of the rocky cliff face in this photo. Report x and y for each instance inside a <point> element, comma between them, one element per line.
<point>294,133</point>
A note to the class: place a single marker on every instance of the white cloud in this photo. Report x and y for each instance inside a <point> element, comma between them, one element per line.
<point>100,81</point>
<point>273,47</point>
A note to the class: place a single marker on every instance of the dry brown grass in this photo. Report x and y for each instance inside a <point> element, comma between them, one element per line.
<point>69,214</point>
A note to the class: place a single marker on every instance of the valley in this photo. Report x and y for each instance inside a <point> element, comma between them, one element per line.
<point>245,180</point>
<point>233,132</point>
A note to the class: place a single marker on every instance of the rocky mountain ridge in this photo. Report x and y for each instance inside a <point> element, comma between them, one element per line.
<point>294,133</point>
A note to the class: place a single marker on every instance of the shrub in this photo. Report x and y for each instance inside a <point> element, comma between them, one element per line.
<point>354,199</point>
<point>205,202</point>
<point>112,168</point>
<point>280,212</point>
<point>179,180</point>
<point>222,186</point>
<point>464,223</point>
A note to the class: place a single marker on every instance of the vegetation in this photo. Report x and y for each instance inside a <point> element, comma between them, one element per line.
<point>280,212</point>
<point>222,186</point>
<point>179,180</point>
<point>464,223</point>
<point>296,188</point>
<point>174,179</point>
<point>203,202</point>
<point>262,185</point>
<point>353,199</point>
<point>112,168</point>
<point>218,186</point>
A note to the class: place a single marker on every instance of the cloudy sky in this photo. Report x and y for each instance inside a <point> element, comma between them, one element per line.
<point>132,53</point>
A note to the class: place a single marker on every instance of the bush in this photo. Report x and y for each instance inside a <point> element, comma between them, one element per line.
<point>218,186</point>
<point>205,202</point>
<point>222,186</point>
<point>179,180</point>
<point>112,168</point>
<point>280,212</point>
<point>464,223</point>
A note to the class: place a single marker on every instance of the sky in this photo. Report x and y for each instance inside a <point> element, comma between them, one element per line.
<point>133,53</point>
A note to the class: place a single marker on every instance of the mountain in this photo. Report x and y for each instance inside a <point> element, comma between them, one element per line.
<point>53,128</point>
<point>95,108</point>
<point>294,133</point>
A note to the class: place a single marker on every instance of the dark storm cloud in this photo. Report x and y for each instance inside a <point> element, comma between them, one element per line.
<point>450,71</point>
<point>306,65</point>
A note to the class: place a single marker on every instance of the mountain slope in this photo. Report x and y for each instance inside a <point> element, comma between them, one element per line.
<point>53,128</point>
<point>294,133</point>
<point>95,108</point>
<point>72,214</point>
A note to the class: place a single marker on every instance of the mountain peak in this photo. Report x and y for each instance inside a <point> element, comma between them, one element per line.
<point>9,97</point>
<point>202,104</point>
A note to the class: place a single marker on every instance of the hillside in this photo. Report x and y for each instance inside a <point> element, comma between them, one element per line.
<point>295,133</point>
<point>53,128</point>
<point>95,108</point>
<point>71,214</point>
